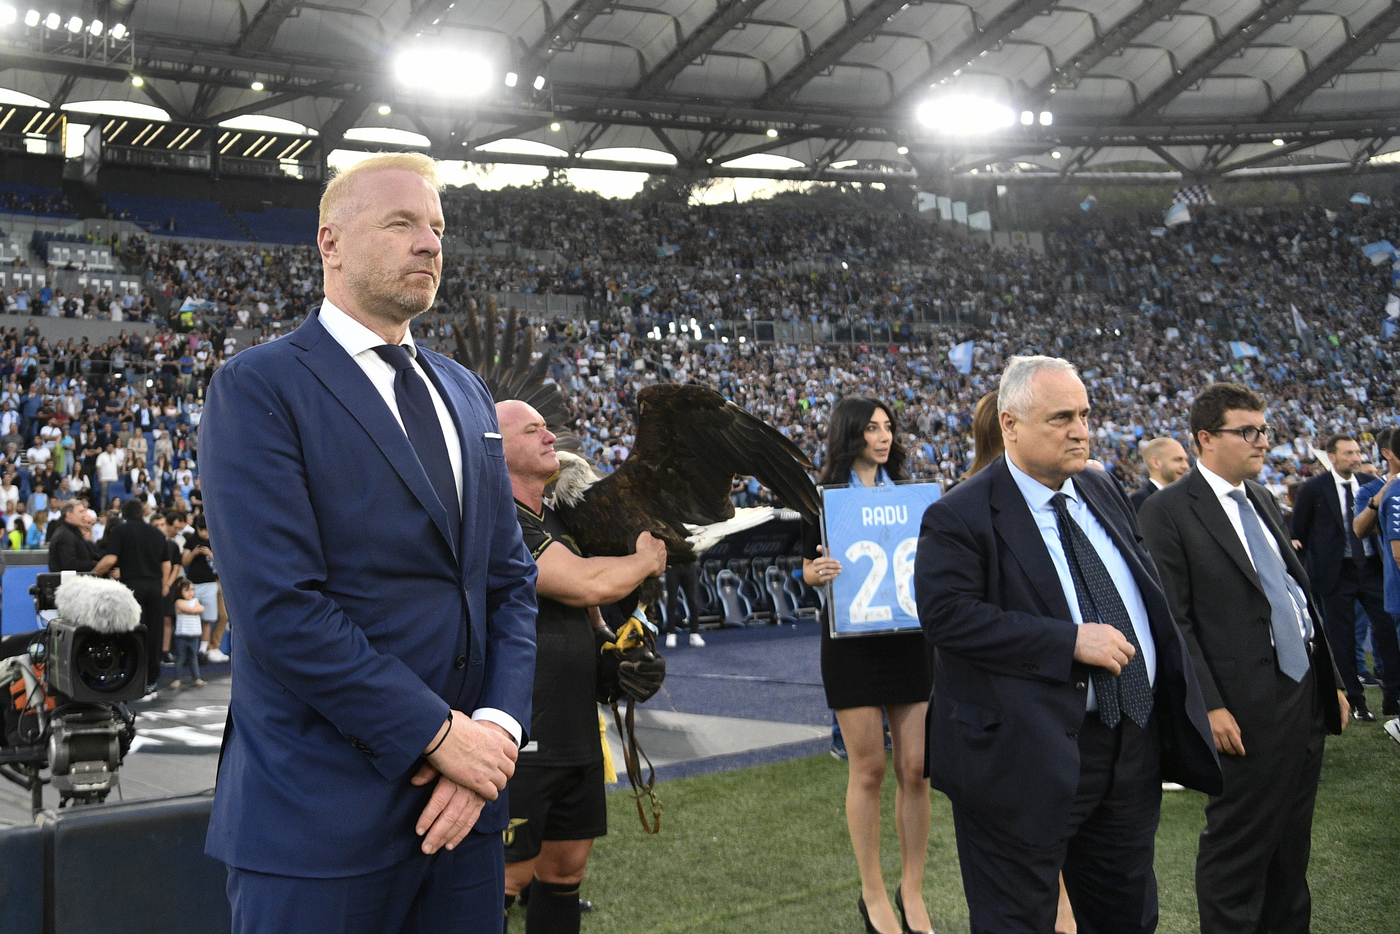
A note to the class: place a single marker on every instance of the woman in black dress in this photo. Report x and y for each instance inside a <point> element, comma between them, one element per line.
<point>867,675</point>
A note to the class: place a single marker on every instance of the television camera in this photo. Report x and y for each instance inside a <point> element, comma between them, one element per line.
<point>64,689</point>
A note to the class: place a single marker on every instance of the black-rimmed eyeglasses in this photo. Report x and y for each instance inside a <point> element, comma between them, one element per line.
<point>1249,433</point>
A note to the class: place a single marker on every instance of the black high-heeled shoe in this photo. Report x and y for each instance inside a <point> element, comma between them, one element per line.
<point>870,927</point>
<point>903,920</point>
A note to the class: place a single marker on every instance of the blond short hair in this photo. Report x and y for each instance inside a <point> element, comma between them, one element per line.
<point>340,186</point>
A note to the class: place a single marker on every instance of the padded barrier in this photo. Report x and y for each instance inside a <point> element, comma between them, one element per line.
<point>117,867</point>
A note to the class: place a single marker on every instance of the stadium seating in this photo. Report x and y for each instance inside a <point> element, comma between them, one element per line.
<point>39,200</point>
<point>195,219</point>
<point>280,225</point>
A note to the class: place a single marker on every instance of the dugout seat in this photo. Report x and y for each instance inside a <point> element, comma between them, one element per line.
<point>737,608</point>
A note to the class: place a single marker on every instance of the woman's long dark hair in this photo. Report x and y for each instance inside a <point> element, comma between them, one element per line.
<point>845,440</point>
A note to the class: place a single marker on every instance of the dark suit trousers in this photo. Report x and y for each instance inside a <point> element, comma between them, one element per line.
<point>1106,855</point>
<point>1364,584</point>
<point>451,892</point>
<point>1251,869</point>
<point>148,595</point>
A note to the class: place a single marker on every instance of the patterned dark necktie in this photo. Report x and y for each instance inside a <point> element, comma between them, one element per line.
<point>420,422</point>
<point>1099,602</point>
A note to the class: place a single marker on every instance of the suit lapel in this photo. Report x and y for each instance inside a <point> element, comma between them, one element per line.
<point>1012,520</point>
<point>1128,549</point>
<point>1206,505</point>
<point>342,376</point>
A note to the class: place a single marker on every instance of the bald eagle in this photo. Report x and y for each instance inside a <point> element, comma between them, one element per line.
<point>691,444</point>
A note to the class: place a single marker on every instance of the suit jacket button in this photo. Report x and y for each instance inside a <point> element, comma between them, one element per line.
<point>460,663</point>
<point>1081,686</point>
<point>1072,734</point>
<point>1031,666</point>
<point>1265,661</point>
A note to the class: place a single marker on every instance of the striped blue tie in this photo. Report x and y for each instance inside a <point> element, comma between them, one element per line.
<point>1273,574</point>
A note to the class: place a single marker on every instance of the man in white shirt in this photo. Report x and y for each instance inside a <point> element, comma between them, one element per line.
<point>109,466</point>
<point>1240,595</point>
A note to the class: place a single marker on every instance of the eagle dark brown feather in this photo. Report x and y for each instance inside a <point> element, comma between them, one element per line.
<point>504,365</point>
<point>691,443</point>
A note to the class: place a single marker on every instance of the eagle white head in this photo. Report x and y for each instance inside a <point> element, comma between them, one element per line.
<point>575,476</point>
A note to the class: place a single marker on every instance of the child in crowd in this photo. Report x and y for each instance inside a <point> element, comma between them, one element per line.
<point>188,627</point>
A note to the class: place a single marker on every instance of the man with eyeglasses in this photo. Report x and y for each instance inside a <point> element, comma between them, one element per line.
<point>1346,570</point>
<point>1240,595</point>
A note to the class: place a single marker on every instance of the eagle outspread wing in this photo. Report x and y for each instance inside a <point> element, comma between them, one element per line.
<point>504,365</point>
<point>691,443</point>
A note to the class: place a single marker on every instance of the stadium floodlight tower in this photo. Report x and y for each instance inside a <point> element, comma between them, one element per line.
<point>957,114</point>
<point>443,70</point>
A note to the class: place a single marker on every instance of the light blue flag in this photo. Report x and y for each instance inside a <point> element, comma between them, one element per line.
<point>1360,198</point>
<point>1088,203</point>
<point>1178,213</point>
<point>1241,350</point>
<point>1389,329</point>
<point>1159,231</point>
<point>1382,251</point>
<point>961,357</point>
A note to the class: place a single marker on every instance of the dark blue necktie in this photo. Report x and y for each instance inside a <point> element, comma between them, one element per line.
<point>424,430</point>
<point>1355,549</point>
<point>1099,602</point>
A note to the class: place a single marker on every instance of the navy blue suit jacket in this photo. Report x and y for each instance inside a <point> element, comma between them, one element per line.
<point>1319,526</point>
<point>1008,697</point>
<point>357,623</point>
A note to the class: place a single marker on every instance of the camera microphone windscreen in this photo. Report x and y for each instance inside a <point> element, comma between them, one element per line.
<point>99,604</point>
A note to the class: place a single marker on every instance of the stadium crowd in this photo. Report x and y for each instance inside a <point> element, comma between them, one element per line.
<point>1147,314</point>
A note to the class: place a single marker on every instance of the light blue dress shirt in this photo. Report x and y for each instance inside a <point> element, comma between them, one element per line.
<point>1038,497</point>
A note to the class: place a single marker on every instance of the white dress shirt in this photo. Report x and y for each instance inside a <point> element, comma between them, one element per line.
<point>359,342</point>
<point>1222,489</point>
<point>1038,497</point>
<point>1342,486</point>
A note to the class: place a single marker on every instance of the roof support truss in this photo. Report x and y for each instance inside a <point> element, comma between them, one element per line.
<point>696,45</point>
<point>862,26</point>
<point>1111,42</point>
<point>987,38</point>
<point>1333,65</point>
<point>1228,45</point>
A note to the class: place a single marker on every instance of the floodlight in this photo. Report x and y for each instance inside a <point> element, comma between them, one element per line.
<point>8,14</point>
<point>964,115</point>
<point>53,20</point>
<point>1046,118</point>
<point>385,110</point>
<point>256,85</point>
<point>1278,142</point>
<point>96,27</point>
<point>75,24</point>
<point>554,127</point>
<point>511,79</point>
<point>1027,117</point>
<point>903,150</point>
<point>31,19</point>
<point>1055,154</point>
<point>539,82</point>
<point>137,81</point>
<point>772,133</point>
<point>119,31</point>
<point>443,70</point>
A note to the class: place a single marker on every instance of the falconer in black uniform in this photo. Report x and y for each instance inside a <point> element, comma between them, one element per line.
<point>557,805</point>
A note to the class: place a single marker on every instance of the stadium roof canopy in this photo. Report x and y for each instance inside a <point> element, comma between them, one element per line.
<point>1205,88</point>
